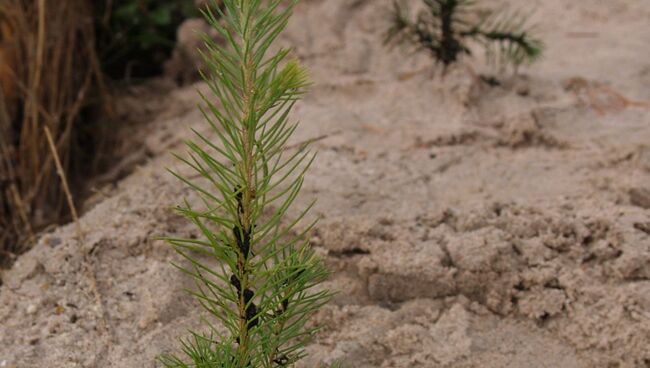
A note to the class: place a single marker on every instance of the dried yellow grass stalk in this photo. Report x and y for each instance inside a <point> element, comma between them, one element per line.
<point>48,69</point>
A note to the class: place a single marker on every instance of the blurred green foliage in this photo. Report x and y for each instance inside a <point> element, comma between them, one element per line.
<point>135,37</point>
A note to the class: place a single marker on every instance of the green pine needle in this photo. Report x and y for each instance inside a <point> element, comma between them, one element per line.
<point>263,290</point>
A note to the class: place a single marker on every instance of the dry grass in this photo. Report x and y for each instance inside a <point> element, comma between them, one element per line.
<point>49,74</point>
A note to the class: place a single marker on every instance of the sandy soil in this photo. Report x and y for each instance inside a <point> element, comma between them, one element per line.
<point>467,225</point>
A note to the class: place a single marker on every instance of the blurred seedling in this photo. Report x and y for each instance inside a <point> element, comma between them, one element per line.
<point>448,28</point>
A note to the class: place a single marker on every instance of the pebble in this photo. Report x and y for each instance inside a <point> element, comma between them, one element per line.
<point>53,241</point>
<point>142,324</point>
<point>31,309</point>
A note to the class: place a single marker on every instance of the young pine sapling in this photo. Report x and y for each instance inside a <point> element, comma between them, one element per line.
<point>262,289</point>
<point>445,28</point>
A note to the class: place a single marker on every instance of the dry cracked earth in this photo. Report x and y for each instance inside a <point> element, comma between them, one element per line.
<point>467,223</point>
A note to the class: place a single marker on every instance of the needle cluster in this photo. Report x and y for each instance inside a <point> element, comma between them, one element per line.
<point>445,28</point>
<point>262,290</point>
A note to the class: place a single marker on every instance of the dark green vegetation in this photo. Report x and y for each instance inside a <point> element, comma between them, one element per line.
<point>447,27</point>
<point>134,37</point>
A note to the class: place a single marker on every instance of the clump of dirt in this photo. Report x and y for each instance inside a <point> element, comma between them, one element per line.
<point>500,228</point>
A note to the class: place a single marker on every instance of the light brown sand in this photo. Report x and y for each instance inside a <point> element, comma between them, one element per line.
<point>466,225</point>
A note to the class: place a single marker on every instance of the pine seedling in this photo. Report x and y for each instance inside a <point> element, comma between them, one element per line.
<point>262,291</point>
<point>445,29</point>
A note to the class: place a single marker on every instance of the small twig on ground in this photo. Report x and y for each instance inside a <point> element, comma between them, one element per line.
<point>601,97</point>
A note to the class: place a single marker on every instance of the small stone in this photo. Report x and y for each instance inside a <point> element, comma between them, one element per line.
<point>53,241</point>
<point>31,309</point>
<point>142,324</point>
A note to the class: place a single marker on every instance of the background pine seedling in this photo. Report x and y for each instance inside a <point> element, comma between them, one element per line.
<point>445,28</point>
<point>262,291</point>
